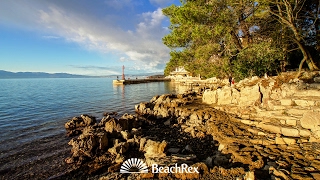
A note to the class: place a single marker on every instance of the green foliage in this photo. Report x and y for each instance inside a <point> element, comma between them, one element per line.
<point>257,60</point>
<point>243,38</point>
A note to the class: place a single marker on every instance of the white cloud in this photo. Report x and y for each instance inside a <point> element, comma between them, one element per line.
<point>142,45</point>
<point>50,37</point>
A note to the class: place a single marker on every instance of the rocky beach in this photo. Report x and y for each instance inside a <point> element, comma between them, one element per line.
<point>259,128</point>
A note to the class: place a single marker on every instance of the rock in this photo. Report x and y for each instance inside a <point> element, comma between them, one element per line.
<point>208,162</point>
<point>249,176</point>
<point>316,175</point>
<point>125,134</point>
<point>271,128</point>
<point>110,113</point>
<point>221,147</point>
<point>291,122</point>
<point>305,103</point>
<point>310,120</point>
<point>119,159</point>
<point>289,141</point>
<point>69,160</point>
<point>86,143</point>
<point>120,148</point>
<point>250,96</point>
<point>287,102</point>
<point>290,132</point>
<point>279,173</point>
<point>224,95</point>
<point>112,126</point>
<point>154,148</point>
<point>304,133</point>
<point>128,121</point>
<point>104,120</point>
<point>142,143</point>
<point>279,140</point>
<point>173,150</point>
<point>88,120</point>
<point>187,149</point>
<point>167,122</point>
<point>316,79</point>
<point>78,122</point>
<point>220,160</point>
<point>209,97</point>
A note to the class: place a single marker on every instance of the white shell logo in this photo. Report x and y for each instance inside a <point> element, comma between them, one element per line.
<point>133,165</point>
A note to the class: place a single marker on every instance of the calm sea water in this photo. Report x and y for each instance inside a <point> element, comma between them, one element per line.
<point>33,112</point>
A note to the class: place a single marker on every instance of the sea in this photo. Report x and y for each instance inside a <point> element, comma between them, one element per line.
<point>33,142</point>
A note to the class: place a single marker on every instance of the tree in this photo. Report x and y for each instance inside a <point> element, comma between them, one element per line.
<point>213,37</point>
<point>295,16</point>
<point>208,29</point>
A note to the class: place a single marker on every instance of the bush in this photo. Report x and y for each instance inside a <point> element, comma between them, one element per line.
<point>256,60</point>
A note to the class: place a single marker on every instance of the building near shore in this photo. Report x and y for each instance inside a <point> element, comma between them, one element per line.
<point>181,74</point>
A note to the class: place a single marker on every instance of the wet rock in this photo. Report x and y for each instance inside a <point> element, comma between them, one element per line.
<point>88,142</point>
<point>104,120</point>
<point>110,113</point>
<point>167,122</point>
<point>88,120</point>
<point>78,122</point>
<point>173,150</point>
<point>119,148</point>
<point>209,162</point>
<point>220,160</point>
<point>187,149</point>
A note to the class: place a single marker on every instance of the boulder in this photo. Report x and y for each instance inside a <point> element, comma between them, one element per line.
<point>209,97</point>
<point>80,122</point>
<point>154,148</point>
<point>88,120</point>
<point>88,142</point>
<point>112,126</point>
<point>250,96</point>
<point>224,95</point>
<point>119,148</point>
<point>311,120</point>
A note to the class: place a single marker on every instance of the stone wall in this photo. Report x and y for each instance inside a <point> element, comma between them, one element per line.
<point>291,109</point>
<point>266,145</point>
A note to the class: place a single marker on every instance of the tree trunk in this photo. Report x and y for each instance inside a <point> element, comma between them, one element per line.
<point>306,58</point>
<point>236,40</point>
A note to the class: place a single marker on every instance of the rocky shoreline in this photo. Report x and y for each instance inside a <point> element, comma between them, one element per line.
<point>182,129</point>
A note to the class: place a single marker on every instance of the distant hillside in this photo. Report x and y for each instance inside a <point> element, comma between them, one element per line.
<point>7,75</point>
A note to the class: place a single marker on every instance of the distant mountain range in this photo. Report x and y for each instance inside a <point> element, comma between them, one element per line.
<point>9,75</point>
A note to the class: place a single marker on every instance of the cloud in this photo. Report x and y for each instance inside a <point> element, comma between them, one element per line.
<point>50,37</point>
<point>98,70</point>
<point>142,44</point>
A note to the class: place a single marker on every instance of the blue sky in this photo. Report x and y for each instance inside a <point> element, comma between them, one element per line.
<point>90,37</point>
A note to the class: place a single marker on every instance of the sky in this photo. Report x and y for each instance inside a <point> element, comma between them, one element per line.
<point>88,37</point>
